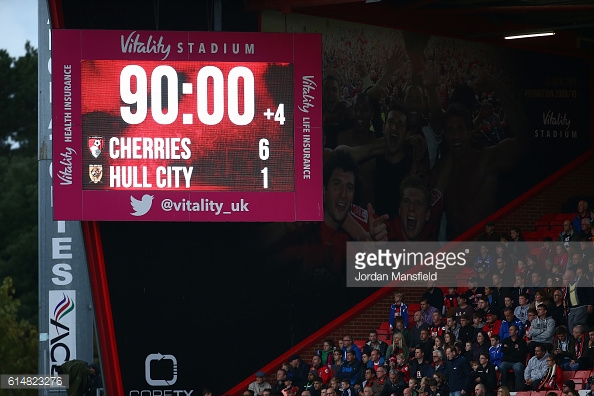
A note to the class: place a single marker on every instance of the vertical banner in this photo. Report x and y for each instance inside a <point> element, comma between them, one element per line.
<point>65,303</point>
<point>62,324</point>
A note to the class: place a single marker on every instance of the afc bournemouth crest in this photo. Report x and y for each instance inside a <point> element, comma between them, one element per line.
<point>95,173</point>
<point>95,144</point>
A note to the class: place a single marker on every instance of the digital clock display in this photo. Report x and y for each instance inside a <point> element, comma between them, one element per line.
<point>177,126</point>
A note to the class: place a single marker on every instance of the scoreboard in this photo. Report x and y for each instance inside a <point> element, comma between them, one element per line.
<point>186,126</point>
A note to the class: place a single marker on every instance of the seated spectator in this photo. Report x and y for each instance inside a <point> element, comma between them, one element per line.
<point>374,343</point>
<point>380,381</point>
<point>510,319</point>
<point>480,390</point>
<point>337,362</point>
<point>560,258</point>
<point>579,355</point>
<point>477,322</point>
<point>398,309</point>
<point>326,352</point>
<point>489,235</point>
<point>398,346</point>
<point>367,380</point>
<point>334,384</point>
<point>590,386</point>
<point>259,385</point>
<point>521,311</point>
<point>452,326</point>
<point>542,329</point>
<point>481,345</point>
<point>281,375</point>
<point>483,305</point>
<point>395,384</point>
<point>426,343</point>
<point>557,309</point>
<point>450,301</point>
<point>495,353</point>
<point>434,297</point>
<point>349,370</point>
<point>438,364</point>
<point>487,374</point>
<point>466,332</point>
<point>439,344</point>
<point>514,355</point>
<point>323,371</point>
<point>419,368</point>
<point>540,297</point>
<point>568,386</point>
<point>403,367</point>
<point>311,376</point>
<point>442,385</point>
<point>298,370</point>
<point>427,312</point>
<point>317,387</point>
<point>437,327</point>
<point>482,263</point>
<point>406,334</point>
<point>347,345</point>
<point>562,346</point>
<point>449,339</point>
<point>536,368</point>
<point>553,377</point>
<point>417,327</point>
<point>463,308</point>
<point>375,360</point>
<point>473,293</point>
<point>345,388</point>
<point>493,324</point>
<point>458,372</point>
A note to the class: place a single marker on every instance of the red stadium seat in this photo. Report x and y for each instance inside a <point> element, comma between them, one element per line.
<point>567,375</point>
<point>579,383</point>
<point>412,308</point>
<point>525,393</point>
<point>360,344</point>
<point>581,374</point>
<point>383,334</point>
<point>384,326</point>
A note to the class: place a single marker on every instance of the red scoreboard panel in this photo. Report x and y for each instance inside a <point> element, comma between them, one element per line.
<point>186,126</point>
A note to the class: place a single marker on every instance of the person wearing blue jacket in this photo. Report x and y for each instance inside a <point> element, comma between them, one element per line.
<point>510,319</point>
<point>349,369</point>
<point>398,309</point>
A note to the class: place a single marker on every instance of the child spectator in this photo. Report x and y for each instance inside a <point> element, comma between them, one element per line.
<point>345,387</point>
<point>398,309</point>
<point>495,353</point>
<point>403,367</point>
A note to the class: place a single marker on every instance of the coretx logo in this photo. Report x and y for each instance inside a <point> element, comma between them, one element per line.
<point>160,370</point>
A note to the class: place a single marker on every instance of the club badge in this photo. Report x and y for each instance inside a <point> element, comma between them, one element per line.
<point>95,173</point>
<point>95,144</point>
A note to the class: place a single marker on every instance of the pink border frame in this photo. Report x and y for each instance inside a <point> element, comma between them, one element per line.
<point>72,203</point>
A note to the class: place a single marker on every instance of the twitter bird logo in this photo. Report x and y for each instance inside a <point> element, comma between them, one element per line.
<point>143,206</point>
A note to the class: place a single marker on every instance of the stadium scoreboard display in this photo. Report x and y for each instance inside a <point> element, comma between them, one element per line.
<point>186,126</point>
